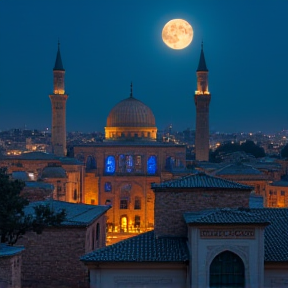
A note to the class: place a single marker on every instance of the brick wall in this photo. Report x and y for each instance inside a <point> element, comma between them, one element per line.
<point>171,204</point>
<point>10,271</point>
<point>51,259</point>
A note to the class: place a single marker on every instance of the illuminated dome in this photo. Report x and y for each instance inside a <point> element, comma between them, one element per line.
<point>130,119</point>
<point>131,112</point>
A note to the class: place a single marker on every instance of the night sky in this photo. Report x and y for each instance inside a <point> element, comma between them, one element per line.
<point>107,44</point>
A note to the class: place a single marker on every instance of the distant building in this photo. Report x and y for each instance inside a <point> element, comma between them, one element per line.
<point>120,170</point>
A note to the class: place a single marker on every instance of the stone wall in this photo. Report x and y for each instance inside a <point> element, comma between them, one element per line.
<point>10,271</point>
<point>51,259</point>
<point>171,204</point>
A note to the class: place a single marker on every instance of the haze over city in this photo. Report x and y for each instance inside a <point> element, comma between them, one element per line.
<point>105,46</point>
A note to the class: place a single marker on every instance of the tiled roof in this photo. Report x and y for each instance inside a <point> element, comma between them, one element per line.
<point>238,169</point>
<point>201,180</point>
<point>276,234</point>
<point>225,216</point>
<point>77,214</point>
<point>142,248</point>
<point>6,250</point>
<point>35,156</point>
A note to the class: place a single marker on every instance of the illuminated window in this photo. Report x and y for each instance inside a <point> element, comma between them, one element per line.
<point>151,165</point>
<point>129,163</point>
<point>110,165</point>
<point>123,204</point>
<point>137,204</point>
<point>123,224</point>
<point>137,221</point>
<point>108,187</point>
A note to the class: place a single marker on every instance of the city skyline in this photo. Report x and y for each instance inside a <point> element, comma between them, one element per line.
<point>103,49</point>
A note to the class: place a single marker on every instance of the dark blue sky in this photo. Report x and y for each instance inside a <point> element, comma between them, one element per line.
<point>107,44</point>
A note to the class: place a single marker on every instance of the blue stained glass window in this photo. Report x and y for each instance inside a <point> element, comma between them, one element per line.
<point>152,165</point>
<point>129,163</point>
<point>110,165</point>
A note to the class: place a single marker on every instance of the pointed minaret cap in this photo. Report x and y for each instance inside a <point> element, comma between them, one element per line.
<point>58,62</point>
<point>202,63</point>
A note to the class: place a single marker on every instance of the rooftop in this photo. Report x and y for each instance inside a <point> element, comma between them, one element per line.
<point>201,180</point>
<point>142,248</point>
<point>76,214</point>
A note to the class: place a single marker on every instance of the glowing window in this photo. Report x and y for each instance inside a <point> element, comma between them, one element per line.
<point>129,163</point>
<point>110,165</point>
<point>152,165</point>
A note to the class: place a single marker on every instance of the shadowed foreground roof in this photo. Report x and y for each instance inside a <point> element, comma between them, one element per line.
<point>201,180</point>
<point>142,248</point>
<point>77,214</point>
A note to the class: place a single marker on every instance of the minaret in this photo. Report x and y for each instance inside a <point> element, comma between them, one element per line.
<point>58,101</point>
<point>202,100</point>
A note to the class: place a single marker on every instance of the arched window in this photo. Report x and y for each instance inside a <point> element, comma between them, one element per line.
<point>152,165</point>
<point>129,163</point>
<point>123,224</point>
<point>227,270</point>
<point>110,165</point>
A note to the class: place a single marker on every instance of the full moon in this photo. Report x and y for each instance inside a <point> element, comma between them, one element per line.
<point>177,34</point>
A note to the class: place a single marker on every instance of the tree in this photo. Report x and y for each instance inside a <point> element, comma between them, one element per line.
<point>250,147</point>
<point>284,151</point>
<point>14,222</point>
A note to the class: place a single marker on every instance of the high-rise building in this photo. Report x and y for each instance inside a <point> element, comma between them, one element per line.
<point>202,100</point>
<point>58,101</point>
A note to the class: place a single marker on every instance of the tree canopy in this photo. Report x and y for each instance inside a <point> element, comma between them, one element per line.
<point>249,147</point>
<point>14,222</point>
<point>284,151</point>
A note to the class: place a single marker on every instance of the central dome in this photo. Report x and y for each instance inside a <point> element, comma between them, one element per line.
<point>131,112</point>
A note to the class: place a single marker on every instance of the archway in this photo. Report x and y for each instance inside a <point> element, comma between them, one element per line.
<point>123,224</point>
<point>227,270</point>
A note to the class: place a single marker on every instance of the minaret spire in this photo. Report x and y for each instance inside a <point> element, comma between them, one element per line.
<point>58,62</point>
<point>202,99</point>
<point>202,63</point>
<point>58,101</point>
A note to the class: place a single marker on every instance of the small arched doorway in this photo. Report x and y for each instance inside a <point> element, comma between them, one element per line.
<point>123,224</point>
<point>227,270</point>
